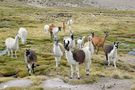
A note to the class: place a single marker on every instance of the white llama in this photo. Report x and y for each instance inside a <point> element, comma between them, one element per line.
<point>57,51</point>
<point>23,34</point>
<point>12,45</point>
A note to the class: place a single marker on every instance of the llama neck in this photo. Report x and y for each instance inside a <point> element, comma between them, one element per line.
<point>104,40</point>
<point>16,40</point>
<point>69,57</point>
<point>114,51</point>
<point>91,47</point>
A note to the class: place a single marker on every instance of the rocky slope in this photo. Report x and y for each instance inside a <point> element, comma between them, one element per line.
<point>109,4</point>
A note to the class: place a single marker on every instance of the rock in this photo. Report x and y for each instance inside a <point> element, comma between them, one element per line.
<point>131,53</point>
<point>16,83</point>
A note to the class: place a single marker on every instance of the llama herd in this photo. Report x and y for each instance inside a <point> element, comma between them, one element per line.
<point>76,51</point>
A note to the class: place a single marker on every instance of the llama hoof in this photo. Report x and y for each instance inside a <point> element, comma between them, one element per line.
<point>78,78</point>
<point>87,74</point>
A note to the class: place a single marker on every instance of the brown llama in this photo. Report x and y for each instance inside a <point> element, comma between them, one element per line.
<point>99,41</point>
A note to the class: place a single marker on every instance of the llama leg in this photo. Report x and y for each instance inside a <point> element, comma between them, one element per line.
<point>72,71</point>
<point>30,69</point>
<point>87,68</point>
<point>77,70</point>
<point>33,68</point>
<point>106,56</point>
<point>8,52</point>
<point>12,55</point>
<point>56,59</point>
<point>15,54</point>
<point>109,61</point>
<point>114,63</point>
<point>97,50</point>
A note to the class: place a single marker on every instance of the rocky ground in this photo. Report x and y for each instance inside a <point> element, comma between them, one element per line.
<point>59,84</point>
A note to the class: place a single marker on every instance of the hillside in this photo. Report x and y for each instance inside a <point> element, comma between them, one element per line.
<point>108,4</point>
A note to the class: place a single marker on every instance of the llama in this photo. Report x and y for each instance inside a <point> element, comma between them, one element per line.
<point>71,39</point>
<point>53,30</point>
<point>99,41</point>
<point>69,23</point>
<point>23,34</point>
<point>57,51</point>
<point>46,28</point>
<point>90,44</point>
<point>111,53</point>
<point>77,57</point>
<point>80,42</point>
<point>12,45</point>
<point>30,60</point>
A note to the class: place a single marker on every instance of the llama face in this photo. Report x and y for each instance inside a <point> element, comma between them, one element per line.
<point>56,42</point>
<point>72,36</point>
<point>116,44</point>
<point>59,28</point>
<point>106,33</point>
<point>90,38</point>
<point>66,44</point>
<point>27,52</point>
<point>92,33</point>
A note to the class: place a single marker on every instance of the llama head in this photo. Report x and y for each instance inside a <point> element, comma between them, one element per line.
<point>92,34</point>
<point>71,35</point>
<point>106,33</point>
<point>17,36</point>
<point>59,28</point>
<point>116,44</point>
<point>89,38</point>
<point>66,44</point>
<point>27,52</point>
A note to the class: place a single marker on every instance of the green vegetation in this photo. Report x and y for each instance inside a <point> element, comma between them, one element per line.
<point>120,24</point>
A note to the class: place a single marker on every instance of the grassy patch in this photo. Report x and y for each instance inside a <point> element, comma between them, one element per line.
<point>117,23</point>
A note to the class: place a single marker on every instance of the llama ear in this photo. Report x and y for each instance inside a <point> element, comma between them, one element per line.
<point>114,43</point>
<point>118,42</point>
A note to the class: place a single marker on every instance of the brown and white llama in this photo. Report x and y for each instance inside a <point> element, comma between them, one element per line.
<point>77,57</point>
<point>53,30</point>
